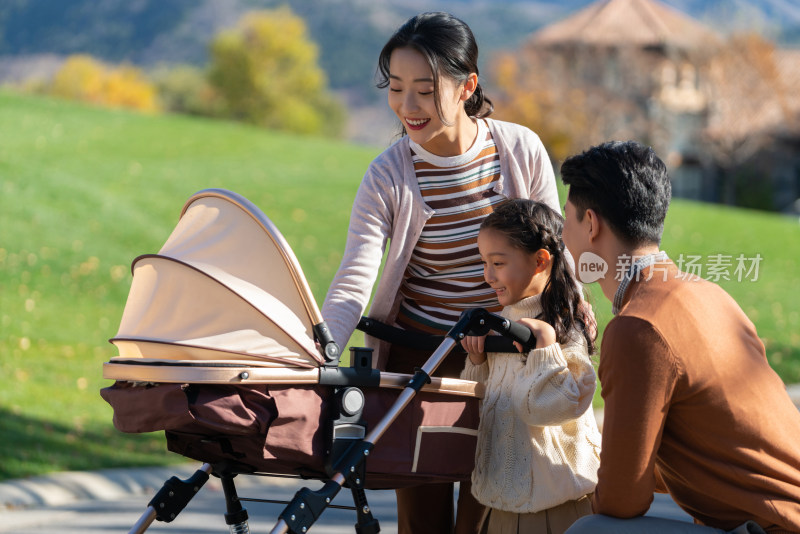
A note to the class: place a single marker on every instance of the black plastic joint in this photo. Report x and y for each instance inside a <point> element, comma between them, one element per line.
<point>307,506</point>
<point>236,518</point>
<point>419,379</point>
<point>175,494</point>
<point>330,350</point>
<point>355,458</point>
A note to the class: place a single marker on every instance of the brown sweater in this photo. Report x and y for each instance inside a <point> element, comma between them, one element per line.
<point>691,400</point>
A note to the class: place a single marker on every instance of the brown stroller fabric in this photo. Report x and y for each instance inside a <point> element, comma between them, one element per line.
<point>216,348</point>
<point>278,429</point>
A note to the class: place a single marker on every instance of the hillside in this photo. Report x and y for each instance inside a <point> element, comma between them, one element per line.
<point>349,33</point>
<point>86,190</point>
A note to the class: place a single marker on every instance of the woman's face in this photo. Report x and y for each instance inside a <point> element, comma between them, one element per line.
<point>411,98</point>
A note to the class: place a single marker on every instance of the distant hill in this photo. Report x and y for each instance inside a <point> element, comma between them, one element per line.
<point>349,32</point>
<point>778,19</point>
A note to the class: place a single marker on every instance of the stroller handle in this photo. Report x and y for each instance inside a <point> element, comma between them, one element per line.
<point>416,340</point>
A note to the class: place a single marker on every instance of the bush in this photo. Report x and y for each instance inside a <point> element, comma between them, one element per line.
<point>84,78</point>
<point>185,89</point>
<point>266,73</point>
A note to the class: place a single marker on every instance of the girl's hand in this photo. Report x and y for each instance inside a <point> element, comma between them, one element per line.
<point>544,333</point>
<point>588,318</point>
<point>474,345</point>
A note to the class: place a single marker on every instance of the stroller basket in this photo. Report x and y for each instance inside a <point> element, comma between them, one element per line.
<point>217,347</point>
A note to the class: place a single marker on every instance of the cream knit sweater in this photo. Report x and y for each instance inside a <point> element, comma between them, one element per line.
<point>538,442</point>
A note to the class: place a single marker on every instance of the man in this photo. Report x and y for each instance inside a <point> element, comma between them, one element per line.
<point>691,405</point>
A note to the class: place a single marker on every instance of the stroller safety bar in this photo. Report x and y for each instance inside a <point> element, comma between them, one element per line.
<point>124,371</point>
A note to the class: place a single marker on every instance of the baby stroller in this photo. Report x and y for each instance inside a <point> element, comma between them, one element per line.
<point>222,346</point>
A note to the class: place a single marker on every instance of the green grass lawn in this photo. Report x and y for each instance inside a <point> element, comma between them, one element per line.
<point>83,191</point>
<point>721,240</point>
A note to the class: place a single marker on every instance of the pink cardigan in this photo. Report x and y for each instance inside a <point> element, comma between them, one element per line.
<point>389,206</point>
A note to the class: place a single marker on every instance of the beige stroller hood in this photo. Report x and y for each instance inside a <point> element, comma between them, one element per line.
<point>217,348</point>
<point>224,288</point>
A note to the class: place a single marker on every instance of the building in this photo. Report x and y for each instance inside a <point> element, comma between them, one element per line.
<point>723,111</point>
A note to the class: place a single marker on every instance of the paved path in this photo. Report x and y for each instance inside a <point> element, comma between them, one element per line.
<point>111,501</point>
<point>204,514</point>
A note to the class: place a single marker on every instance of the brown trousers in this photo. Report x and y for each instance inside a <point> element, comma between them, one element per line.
<point>555,520</point>
<point>428,509</point>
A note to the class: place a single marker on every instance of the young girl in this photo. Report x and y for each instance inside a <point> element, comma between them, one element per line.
<point>426,196</point>
<point>538,444</point>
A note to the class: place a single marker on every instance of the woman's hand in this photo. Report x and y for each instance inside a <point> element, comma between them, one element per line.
<point>474,345</point>
<point>544,333</point>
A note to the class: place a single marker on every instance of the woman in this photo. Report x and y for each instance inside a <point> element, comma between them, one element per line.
<point>426,195</point>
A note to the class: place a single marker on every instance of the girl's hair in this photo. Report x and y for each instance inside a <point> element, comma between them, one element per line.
<point>530,226</point>
<point>448,45</point>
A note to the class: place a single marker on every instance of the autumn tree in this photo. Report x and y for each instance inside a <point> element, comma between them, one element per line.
<point>185,89</point>
<point>750,102</point>
<point>266,73</point>
<point>567,96</point>
<point>82,77</point>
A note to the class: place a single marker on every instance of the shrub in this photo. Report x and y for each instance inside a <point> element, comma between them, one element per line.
<point>87,79</point>
<point>266,72</point>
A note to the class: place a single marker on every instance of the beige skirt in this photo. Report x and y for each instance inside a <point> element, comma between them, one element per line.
<point>554,520</point>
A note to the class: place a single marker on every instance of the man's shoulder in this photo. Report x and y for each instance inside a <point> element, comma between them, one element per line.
<point>629,326</point>
<point>634,346</point>
<point>670,290</point>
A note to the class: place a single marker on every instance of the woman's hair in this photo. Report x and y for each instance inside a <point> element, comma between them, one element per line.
<point>449,47</point>
<point>530,226</point>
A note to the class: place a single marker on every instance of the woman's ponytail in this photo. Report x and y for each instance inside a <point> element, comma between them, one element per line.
<point>474,106</point>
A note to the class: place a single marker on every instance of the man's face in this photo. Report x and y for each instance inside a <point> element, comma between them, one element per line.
<point>575,235</point>
<point>589,265</point>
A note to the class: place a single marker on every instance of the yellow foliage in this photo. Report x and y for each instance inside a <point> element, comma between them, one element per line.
<point>528,96</point>
<point>84,78</point>
<point>126,87</point>
<point>266,72</point>
<point>80,78</point>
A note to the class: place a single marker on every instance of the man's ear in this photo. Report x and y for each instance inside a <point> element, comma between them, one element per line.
<point>595,224</point>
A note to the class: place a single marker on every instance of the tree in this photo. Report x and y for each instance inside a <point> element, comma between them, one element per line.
<point>185,89</point>
<point>85,78</point>
<point>265,70</point>
<point>572,96</point>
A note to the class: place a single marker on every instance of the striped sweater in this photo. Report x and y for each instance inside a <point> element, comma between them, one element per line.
<point>445,275</point>
<point>388,215</point>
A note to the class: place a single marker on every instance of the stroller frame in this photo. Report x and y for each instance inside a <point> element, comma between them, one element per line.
<point>349,467</point>
<point>200,321</point>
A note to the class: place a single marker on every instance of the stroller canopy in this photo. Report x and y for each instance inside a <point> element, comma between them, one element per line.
<point>225,287</point>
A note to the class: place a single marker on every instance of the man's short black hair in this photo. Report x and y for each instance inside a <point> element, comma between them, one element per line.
<point>626,184</point>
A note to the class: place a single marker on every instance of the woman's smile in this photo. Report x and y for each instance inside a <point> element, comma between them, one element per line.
<point>416,124</point>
